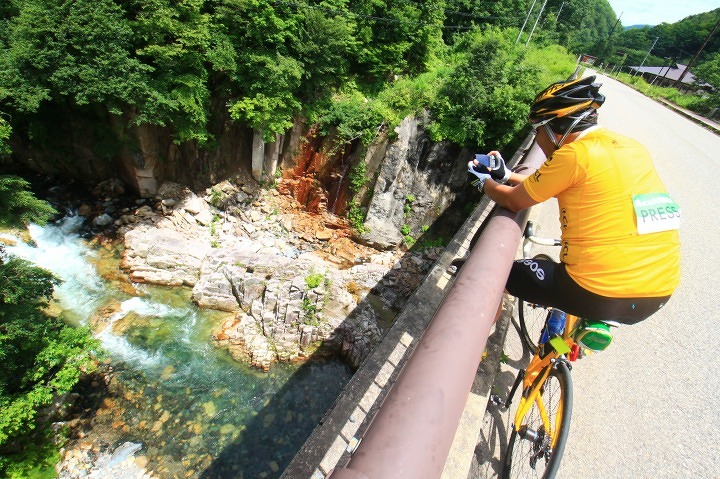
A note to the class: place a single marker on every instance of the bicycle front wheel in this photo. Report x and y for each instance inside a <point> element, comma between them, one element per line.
<point>533,451</point>
<point>532,320</point>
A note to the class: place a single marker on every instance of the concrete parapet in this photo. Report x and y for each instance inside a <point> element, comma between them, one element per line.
<point>340,431</point>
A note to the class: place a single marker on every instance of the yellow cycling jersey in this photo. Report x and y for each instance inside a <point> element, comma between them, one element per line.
<point>595,179</point>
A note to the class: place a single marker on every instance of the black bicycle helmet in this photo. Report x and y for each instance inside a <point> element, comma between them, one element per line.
<point>566,100</point>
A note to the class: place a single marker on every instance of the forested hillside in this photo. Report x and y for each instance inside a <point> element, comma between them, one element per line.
<point>678,42</point>
<point>93,88</point>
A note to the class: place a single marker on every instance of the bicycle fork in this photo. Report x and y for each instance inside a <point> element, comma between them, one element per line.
<point>532,394</point>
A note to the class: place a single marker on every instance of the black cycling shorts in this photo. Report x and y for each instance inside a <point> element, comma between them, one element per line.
<point>547,283</point>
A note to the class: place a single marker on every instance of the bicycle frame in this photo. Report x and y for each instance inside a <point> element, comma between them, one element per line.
<point>533,378</point>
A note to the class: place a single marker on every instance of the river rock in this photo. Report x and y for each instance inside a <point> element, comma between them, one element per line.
<point>193,204</point>
<point>163,256</point>
<point>103,220</point>
<point>85,210</point>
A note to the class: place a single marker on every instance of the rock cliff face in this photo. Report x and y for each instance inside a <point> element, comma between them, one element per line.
<point>249,250</point>
<point>415,182</point>
<point>411,181</point>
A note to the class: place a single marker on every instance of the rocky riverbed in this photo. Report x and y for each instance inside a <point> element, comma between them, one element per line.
<point>293,285</point>
<point>293,280</point>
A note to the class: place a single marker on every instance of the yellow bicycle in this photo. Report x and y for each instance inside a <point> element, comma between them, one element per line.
<point>542,421</point>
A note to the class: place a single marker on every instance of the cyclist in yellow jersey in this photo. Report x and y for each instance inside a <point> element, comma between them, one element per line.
<point>620,257</point>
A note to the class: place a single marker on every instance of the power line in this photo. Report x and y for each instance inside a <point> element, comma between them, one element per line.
<point>646,55</point>
<point>536,22</point>
<point>526,19</point>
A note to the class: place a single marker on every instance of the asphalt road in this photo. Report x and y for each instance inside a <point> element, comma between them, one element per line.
<point>648,407</point>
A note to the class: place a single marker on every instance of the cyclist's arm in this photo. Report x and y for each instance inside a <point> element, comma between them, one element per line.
<point>516,178</point>
<point>514,198</point>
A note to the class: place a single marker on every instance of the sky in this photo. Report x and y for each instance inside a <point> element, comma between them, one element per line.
<point>654,12</point>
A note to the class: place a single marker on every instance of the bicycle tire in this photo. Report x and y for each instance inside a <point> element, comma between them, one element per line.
<point>532,321</point>
<point>532,318</point>
<point>533,457</point>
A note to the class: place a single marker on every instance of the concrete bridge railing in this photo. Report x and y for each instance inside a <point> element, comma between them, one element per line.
<point>399,416</point>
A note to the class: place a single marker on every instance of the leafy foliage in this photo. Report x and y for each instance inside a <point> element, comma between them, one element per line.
<point>313,280</point>
<point>173,41</point>
<point>18,206</point>
<point>357,177</point>
<point>356,66</point>
<point>709,71</point>
<point>486,97</point>
<point>270,105</point>
<point>354,116</point>
<point>41,357</point>
<point>5,130</point>
<point>38,461</point>
<point>356,216</point>
<point>79,51</point>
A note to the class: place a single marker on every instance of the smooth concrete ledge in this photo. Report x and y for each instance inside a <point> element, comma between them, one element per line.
<point>459,462</point>
<point>341,429</point>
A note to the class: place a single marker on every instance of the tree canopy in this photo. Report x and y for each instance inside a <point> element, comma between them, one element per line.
<point>42,358</point>
<point>164,62</point>
<point>678,42</point>
<point>19,206</point>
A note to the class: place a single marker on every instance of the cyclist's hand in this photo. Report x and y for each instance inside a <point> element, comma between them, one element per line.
<point>500,172</point>
<point>479,174</point>
<point>482,163</point>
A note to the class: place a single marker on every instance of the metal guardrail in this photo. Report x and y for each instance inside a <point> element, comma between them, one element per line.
<point>412,433</point>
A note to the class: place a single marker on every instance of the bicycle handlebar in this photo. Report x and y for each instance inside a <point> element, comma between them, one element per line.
<point>544,241</point>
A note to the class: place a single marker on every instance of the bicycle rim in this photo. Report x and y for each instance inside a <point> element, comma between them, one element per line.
<point>532,320</point>
<point>531,452</point>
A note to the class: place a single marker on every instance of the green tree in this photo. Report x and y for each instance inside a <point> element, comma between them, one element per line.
<point>174,40</point>
<point>265,82</point>
<point>485,98</point>
<point>709,72</point>
<point>325,46</point>
<point>69,51</point>
<point>270,103</point>
<point>5,130</point>
<point>41,357</point>
<point>396,37</point>
<point>18,206</point>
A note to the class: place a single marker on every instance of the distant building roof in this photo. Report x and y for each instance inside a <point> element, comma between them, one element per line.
<point>671,73</point>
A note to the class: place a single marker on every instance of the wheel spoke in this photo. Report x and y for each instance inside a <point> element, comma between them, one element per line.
<point>535,449</point>
<point>532,320</point>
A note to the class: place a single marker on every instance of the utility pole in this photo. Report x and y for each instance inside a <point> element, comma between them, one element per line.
<point>698,53</point>
<point>621,64</point>
<point>526,19</point>
<point>613,28</point>
<point>536,22</point>
<point>646,55</point>
<point>667,70</point>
